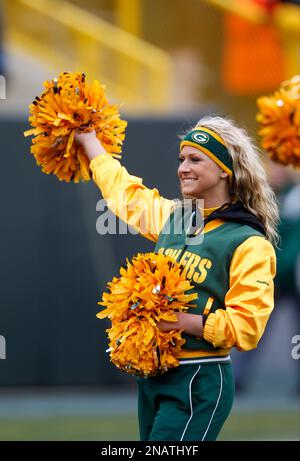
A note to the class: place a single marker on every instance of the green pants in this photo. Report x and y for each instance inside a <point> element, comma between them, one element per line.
<point>190,402</point>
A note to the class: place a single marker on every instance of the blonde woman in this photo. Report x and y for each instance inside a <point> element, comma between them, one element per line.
<point>229,259</point>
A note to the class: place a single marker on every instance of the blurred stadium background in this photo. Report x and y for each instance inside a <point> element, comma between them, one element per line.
<point>166,62</point>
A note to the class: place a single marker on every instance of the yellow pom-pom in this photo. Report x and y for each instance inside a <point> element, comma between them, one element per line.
<point>69,104</point>
<point>152,287</point>
<point>279,123</point>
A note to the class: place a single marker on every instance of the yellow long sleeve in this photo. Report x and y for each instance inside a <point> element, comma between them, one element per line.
<point>141,208</point>
<point>249,300</point>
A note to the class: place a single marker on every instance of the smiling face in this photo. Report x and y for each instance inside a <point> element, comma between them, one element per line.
<point>201,177</point>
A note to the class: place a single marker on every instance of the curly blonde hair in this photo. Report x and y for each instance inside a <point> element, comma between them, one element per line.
<point>249,184</point>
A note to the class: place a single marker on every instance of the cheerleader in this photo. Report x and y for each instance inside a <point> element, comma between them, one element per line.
<point>229,259</point>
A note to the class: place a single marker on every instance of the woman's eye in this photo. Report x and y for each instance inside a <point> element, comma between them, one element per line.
<point>180,160</point>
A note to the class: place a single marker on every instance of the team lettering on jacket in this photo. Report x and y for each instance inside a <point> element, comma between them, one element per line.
<point>195,267</point>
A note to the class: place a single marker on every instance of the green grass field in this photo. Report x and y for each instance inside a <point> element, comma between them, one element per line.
<point>240,426</point>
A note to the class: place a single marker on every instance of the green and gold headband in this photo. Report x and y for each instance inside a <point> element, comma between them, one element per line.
<point>212,145</point>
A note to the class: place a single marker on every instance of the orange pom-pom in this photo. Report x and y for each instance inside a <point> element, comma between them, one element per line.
<point>279,120</point>
<point>150,288</point>
<point>69,104</point>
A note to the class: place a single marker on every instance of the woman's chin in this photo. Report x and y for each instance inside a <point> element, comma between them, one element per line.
<point>186,194</point>
<point>190,192</point>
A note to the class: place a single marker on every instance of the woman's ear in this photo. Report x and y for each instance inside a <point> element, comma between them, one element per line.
<point>223,174</point>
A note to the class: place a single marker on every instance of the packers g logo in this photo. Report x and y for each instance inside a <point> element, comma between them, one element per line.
<point>201,138</point>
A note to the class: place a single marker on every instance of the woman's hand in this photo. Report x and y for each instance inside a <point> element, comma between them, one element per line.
<point>90,143</point>
<point>192,324</point>
<point>85,138</point>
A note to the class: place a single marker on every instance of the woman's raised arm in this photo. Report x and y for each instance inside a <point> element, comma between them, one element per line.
<point>141,208</point>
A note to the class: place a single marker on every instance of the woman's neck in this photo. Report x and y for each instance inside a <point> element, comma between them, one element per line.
<point>212,199</point>
<point>215,202</point>
<point>216,199</point>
